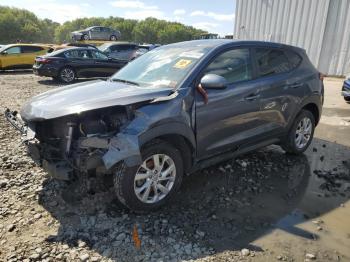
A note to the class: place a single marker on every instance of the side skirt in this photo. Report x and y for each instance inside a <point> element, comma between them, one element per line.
<point>203,163</point>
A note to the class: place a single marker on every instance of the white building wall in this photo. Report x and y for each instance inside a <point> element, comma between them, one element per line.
<point>322,27</point>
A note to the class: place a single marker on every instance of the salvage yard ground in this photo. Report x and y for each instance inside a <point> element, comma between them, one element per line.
<point>263,206</point>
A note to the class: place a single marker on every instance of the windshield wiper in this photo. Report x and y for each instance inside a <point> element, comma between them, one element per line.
<point>124,81</point>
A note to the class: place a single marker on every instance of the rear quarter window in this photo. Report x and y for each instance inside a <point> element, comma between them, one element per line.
<point>294,58</point>
<point>272,61</point>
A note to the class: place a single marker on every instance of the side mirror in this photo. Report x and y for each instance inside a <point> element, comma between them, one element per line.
<point>212,81</point>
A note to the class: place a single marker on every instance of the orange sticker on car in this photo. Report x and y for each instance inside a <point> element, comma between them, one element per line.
<point>182,63</point>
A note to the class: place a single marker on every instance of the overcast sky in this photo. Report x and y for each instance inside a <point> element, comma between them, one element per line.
<point>213,16</point>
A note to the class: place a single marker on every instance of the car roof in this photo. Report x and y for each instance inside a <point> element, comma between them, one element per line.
<point>20,44</point>
<point>229,42</point>
<point>76,48</point>
<point>121,43</point>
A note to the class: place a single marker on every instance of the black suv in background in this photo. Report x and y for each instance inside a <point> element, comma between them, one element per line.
<point>68,64</point>
<point>123,51</point>
<point>172,111</point>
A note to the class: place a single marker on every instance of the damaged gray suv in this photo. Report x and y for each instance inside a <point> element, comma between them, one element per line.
<point>176,109</point>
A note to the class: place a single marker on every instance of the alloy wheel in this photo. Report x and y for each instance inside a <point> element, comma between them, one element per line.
<point>67,75</point>
<point>303,132</point>
<point>155,178</point>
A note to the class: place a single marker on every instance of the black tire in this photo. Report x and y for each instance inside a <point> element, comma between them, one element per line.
<point>85,37</point>
<point>66,80</point>
<point>347,99</point>
<point>113,38</point>
<point>124,178</point>
<point>290,145</point>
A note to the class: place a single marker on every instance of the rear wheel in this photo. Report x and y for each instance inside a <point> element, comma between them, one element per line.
<point>301,133</point>
<point>150,185</point>
<point>113,38</point>
<point>67,75</point>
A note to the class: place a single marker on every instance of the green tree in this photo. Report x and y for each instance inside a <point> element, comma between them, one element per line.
<point>24,25</point>
<point>19,24</point>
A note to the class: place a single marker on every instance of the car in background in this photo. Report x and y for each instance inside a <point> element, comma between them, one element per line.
<point>346,89</point>
<point>20,56</point>
<point>77,62</point>
<point>123,51</point>
<point>144,48</point>
<point>70,45</point>
<point>96,33</point>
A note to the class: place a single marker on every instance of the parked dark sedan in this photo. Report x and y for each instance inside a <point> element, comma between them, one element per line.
<point>346,89</point>
<point>68,64</point>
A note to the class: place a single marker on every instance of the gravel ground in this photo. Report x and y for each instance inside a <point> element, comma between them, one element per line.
<point>218,215</point>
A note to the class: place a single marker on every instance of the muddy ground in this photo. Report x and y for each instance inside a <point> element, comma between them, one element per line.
<point>263,206</point>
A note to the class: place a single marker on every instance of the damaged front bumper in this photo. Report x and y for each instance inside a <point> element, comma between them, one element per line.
<point>104,152</point>
<point>59,170</point>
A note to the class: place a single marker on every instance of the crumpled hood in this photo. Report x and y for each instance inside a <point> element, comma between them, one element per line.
<point>86,96</point>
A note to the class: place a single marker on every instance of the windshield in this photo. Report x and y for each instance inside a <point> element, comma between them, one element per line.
<point>3,48</point>
<point>162,67</point>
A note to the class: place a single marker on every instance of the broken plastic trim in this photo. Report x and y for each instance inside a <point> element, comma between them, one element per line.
<point>11,117</point>
<point>123,147</point>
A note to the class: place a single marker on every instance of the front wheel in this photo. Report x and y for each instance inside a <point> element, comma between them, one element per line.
<point>85,37</point>
<point>347,99</point>
<point>113,38</point>
<point>151,184</point>
<point>300,135</point>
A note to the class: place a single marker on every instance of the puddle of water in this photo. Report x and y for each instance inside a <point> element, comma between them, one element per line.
<point>320,220</point>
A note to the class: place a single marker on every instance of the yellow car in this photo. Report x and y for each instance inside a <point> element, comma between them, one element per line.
<point>20,56</point>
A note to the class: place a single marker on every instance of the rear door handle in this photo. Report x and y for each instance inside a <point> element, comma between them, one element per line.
<point>295,85</point>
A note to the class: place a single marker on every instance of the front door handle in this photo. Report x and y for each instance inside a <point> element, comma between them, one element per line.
<point>295,85</point>
<point>252,97</point>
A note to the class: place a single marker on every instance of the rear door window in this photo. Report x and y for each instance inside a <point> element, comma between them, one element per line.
<point>31,49</point>
<point>234,65</point>
<point>271,61</point>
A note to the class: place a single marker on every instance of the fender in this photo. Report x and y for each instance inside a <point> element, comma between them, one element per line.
<point>314,99</point>
<point>177,128</point>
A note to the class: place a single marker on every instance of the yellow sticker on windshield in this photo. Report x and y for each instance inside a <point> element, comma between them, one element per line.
<point>182,63</point>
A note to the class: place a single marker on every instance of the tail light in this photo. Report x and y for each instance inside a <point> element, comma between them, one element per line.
<point>321,76</point>
<point>43,60</point>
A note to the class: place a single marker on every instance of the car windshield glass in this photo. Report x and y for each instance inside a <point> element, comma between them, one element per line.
<point>162,67</point>
<point>3,48</point>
